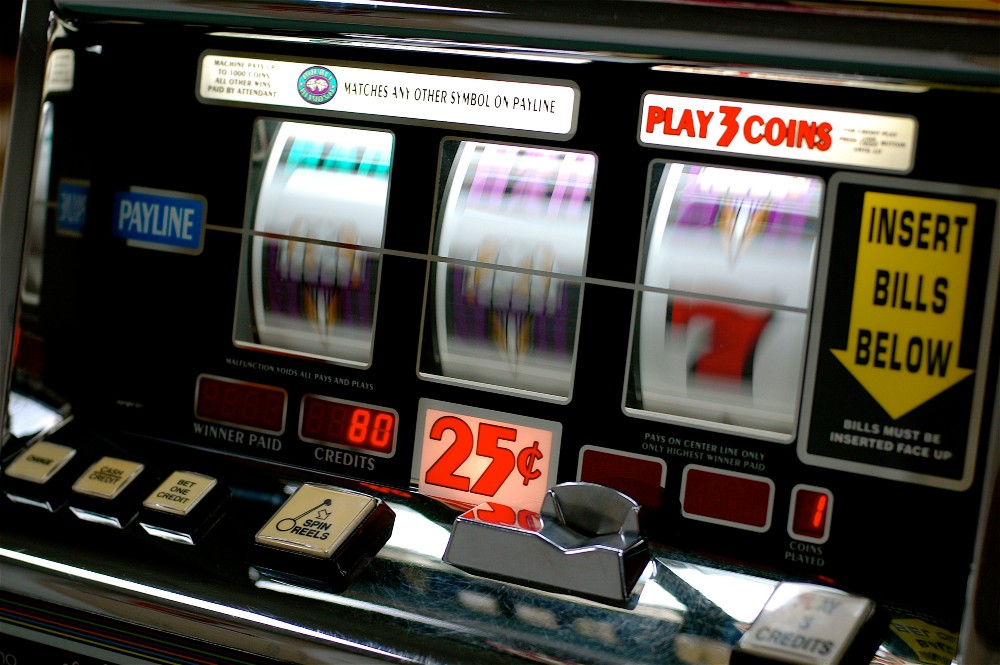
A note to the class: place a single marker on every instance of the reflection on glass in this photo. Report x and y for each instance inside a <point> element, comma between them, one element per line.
<point>510,207</point>
<point>30,416</point>
<point>739,595</point>
<point>34,237</point>
<point>725,345</point>
<point>312,280</point>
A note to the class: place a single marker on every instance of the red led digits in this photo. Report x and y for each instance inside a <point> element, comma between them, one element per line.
<point>249,405</point>
<point>810,516</point>
<point>727,497</point>
<point>355,426</point>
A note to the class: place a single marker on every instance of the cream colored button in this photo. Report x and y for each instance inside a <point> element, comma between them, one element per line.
<point>39,462</point>
<point>316,520</point>
<point>180,493</point>
<point>823,621</point>
<point>107,477</point>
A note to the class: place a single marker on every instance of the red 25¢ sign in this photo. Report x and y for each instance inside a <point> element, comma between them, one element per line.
<point>866,140</point>
<point>469,455</point>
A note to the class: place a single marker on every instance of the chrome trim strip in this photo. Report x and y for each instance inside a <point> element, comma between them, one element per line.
<point>25,111</point>
<point>950,47</point>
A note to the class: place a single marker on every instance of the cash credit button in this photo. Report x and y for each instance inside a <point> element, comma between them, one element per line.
<point>106,492</point>
<point>107,478</point>
<point>28,476</point>
<point>338,531</point>
<point>183,507</point>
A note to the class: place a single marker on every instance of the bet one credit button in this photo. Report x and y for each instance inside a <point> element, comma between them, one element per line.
<point>183,507</point>
<point>321,536</point>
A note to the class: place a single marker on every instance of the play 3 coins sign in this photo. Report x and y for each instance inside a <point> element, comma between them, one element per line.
<point>899,349</point>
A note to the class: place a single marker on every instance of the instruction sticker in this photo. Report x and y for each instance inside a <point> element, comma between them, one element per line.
<point>487,102</point>
<point>796,133</point>
<point>900,355</point>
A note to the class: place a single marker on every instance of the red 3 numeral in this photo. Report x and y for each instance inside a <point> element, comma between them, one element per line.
<point>443,472</point>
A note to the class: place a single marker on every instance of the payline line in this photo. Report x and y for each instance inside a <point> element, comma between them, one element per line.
<point>583,280</point>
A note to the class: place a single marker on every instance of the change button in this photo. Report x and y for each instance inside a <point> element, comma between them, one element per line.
<point>39,462</point>
<point>30,475</point>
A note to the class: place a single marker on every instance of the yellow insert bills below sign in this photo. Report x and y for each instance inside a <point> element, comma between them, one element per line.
<point>909,298</point>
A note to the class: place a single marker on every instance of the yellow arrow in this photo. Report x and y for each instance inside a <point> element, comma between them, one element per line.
<point>909,298</point>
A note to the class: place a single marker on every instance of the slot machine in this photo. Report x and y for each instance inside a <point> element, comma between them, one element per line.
<point>631,333</point>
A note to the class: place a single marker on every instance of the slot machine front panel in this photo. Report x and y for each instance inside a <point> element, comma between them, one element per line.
<point>401,290</point>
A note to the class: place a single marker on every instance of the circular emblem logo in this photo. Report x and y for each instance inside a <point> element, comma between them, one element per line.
<point>317,85</point>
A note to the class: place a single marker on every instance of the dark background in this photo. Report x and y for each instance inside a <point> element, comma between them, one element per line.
<point>10,22</point>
